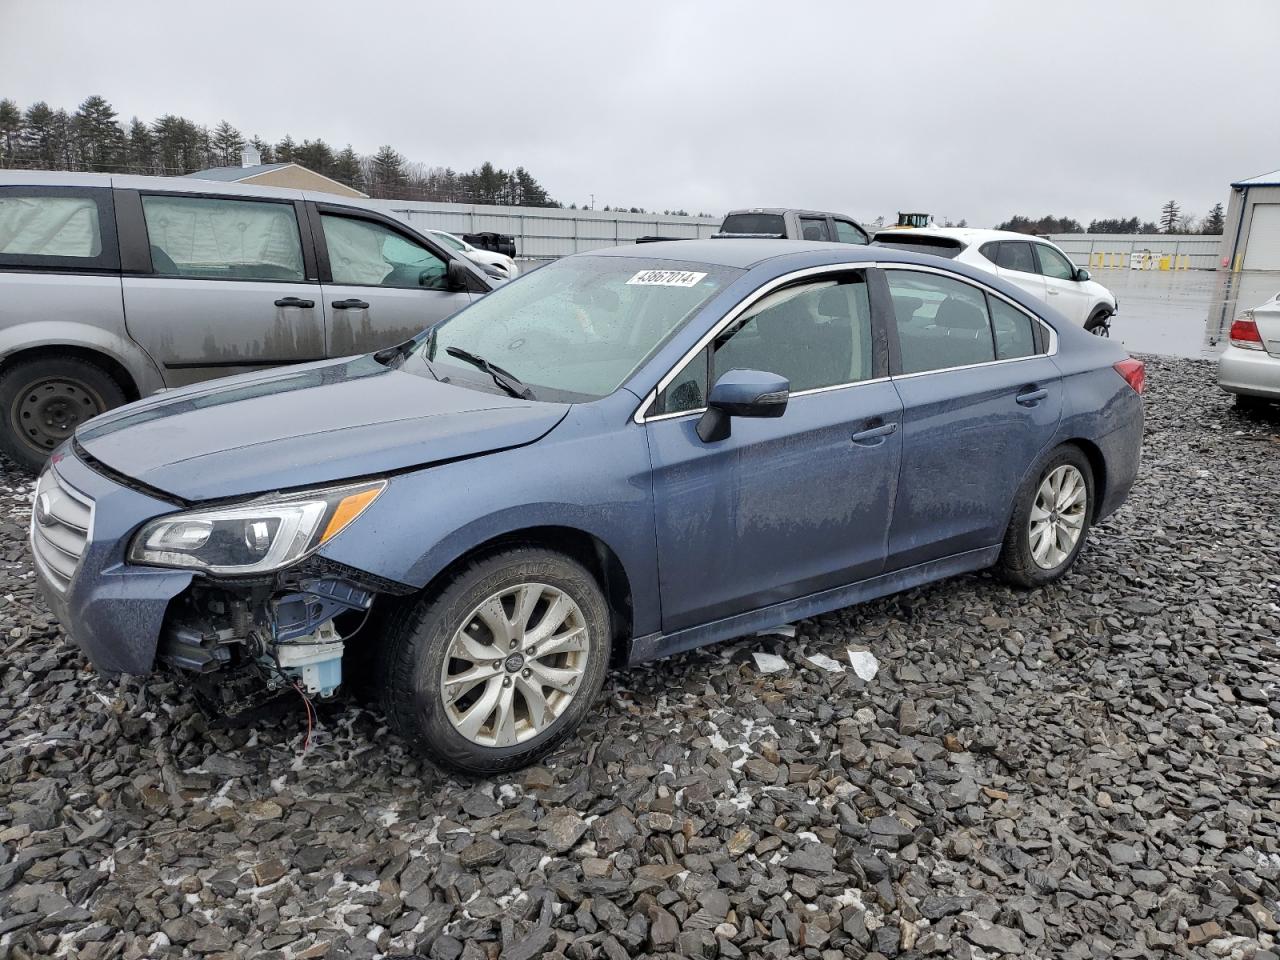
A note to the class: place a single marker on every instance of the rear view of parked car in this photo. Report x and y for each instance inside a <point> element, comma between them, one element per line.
<point>499,264</point>
<point>114,287</point>
<point>1031,263</point>
<point>1249,367</point>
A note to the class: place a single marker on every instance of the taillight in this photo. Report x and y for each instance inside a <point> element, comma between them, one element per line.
<point>1244,333</point>
<point>1134,373</point>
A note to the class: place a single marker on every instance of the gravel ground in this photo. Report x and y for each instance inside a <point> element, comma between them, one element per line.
<point>1086,771</point>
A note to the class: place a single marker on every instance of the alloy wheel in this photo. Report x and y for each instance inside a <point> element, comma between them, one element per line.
<point>515,664</point>
<point>1057,516</point>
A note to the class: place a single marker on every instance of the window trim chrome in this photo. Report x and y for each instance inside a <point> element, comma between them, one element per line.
<point>764,290</point>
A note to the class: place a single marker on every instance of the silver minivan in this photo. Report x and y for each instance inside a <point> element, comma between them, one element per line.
<point>114,287</point>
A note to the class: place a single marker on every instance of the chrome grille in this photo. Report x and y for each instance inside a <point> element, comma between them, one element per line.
<point>61,519</point>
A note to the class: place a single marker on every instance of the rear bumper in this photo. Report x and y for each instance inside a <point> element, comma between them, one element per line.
<point>1251,372</point>
<point>111,610</point>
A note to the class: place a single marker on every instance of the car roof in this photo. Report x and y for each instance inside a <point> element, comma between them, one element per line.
<point>969,235</point>
<point>740,252</point>
<point>785,210</point>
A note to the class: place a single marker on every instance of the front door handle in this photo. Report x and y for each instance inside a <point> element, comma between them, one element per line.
<point>873,436</point>
<point>295,302</point>
<point>1052,292</point>
<point>1030,398</point>
<point>352,304</point>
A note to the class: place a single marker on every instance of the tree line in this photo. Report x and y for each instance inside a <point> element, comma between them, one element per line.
<point>94,139</point>
<point>1172,221</point>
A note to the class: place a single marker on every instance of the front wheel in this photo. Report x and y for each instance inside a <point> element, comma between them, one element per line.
<point>1050,520</point>
<point>1099,324</point>
<point>497,667</point>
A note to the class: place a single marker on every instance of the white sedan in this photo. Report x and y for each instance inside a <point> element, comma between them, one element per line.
<point>500,262</point>
<point>1250,366</point>
<point>1032,263</point>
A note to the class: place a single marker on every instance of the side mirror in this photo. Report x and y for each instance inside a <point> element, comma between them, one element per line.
<point>457,276</point>
<point>742,393</point>
<point>1082,274</point>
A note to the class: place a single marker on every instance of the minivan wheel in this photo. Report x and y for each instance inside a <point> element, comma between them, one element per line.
<point>44,399</point>
<point>498,666</point>
<point>1050,520</point>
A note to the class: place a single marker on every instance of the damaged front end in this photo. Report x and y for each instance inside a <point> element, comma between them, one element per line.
<point>241,641</point>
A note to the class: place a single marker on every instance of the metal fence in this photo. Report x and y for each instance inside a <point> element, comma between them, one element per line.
<point>547,233</point>
<point>1141,251</point>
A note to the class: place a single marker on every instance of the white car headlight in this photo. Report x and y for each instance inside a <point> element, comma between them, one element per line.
<point>257,536</point>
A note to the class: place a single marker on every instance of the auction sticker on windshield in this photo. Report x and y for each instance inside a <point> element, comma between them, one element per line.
<point>667,278</point>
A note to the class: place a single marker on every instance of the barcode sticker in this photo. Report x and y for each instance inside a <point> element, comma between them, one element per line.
<point>667,278</point>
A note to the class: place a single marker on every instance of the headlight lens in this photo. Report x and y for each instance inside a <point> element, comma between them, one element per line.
<point>258,536</point>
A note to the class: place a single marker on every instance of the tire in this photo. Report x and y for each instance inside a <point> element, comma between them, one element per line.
<point>1247,403</point>
<point>44,399</point>
<point>1099,324</point>
<point>425,649</point>
<point>1024,560</point>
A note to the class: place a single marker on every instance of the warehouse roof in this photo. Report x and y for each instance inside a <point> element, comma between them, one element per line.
<point>234,174</point>
<point>1271,179</point>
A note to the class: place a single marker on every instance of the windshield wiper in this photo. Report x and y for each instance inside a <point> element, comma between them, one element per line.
<point>507,381</point>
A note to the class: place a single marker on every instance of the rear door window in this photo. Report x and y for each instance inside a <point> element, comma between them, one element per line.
<point>814,228</point>
<point>211,238</point>
<point>58,228</point>
<point>770,224</point>
<point>1014,330</point>
<point>1016,255</point>
<point>941,322</point>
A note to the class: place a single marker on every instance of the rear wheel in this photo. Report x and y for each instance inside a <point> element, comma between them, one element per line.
<point>499,666</point>
<point>1050,520</point>
<point>1250,404</point>
<point>44,399</point>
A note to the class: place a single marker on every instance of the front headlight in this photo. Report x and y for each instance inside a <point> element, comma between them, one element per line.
<point>257,536</point>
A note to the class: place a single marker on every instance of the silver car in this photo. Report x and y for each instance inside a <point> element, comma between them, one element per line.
<point>115,287</point>
<point>1250,366</point>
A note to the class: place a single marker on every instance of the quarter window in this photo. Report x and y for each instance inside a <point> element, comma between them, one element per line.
<point>941,322</point>
<point>214,239</point>
<point>1053,264</point>
<point>57,227</point>
<point>1016,255</point>
<point>364,253</point>
<point>1014,333</point>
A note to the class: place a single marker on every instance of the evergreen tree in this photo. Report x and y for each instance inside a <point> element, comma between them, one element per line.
<point>346,169</point>
<point>284,150</point>
<point>1214,221</point>
<point>10,132</point>
<point>99,141</point>
<point>225,145</point>
<point>315,155</point>
<point>140,148</point>
<point>386,172</point>
<point>1170,217</point>
<point>38,143</point>
<point>266,152</point>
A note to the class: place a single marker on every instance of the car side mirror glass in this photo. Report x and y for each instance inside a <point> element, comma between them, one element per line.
<point>1082,274</point>
<point>742,393</point>
<point>457,276</point>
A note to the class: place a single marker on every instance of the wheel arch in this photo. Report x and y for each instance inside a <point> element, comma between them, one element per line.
<point>56,351</point>
<point>1098,466</point>
<point>588,549</point>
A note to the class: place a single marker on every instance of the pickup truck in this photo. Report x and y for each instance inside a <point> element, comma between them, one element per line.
<point>786,224</point>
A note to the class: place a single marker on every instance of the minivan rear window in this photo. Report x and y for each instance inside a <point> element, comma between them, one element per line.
<point>770,224</point>
<point>58,228</point>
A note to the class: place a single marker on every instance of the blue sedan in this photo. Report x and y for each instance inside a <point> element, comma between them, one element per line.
<point>620,456</point>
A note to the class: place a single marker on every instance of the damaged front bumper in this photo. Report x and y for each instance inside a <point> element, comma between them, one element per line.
<point>278,628</point>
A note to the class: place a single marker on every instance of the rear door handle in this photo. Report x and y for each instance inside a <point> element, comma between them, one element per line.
<point>873,436</point>
<point>350,304</point>
<point>295,302</point>
<point>1030,398</point>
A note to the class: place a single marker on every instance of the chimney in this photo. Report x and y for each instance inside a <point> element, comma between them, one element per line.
<point>249,156</point>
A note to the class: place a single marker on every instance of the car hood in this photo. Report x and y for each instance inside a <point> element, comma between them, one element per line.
<point>303,426</point>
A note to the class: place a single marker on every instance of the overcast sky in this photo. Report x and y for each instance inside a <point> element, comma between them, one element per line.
<point>978,109</point>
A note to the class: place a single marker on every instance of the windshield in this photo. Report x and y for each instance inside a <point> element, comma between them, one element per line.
<point>577,328</point>
<point>448,239</point>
